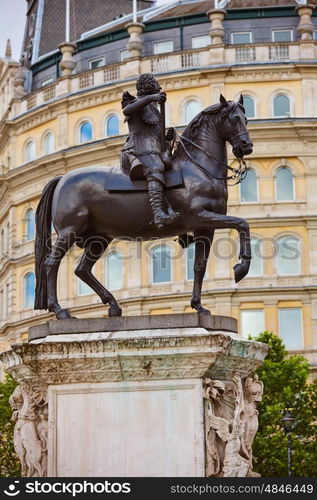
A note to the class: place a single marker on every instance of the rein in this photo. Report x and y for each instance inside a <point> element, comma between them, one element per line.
<point>238,174</point>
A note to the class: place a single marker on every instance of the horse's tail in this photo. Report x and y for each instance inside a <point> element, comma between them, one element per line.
<point>43,242</point>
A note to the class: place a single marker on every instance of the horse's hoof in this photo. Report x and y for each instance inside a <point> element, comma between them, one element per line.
<point>114,311</point>
<point>200,309</point>
<point>204,312</point>
<point>63,314</point>
<point>241,270</point>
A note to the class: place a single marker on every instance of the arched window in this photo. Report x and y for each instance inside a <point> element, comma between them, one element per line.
<point>284,184</point>
<point>30,151</point>
<point>288,256</point>
<point>85,132</point>
<point>249,188</point>
<point>112,126</point>
<point>190,259</point>
<point>29,290</point>
<point>161,264</point>
<point>114,271</point>
<point>281,105</point>
<point>249,106</point>
<point>256,267</point>
<point>49,143</point>
<point>192,108</point>
<point>30,224</point>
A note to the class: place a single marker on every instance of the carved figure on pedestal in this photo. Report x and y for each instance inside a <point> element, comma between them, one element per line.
<point>253,392</point>
<point>231,425</point>
<point>30,433</point>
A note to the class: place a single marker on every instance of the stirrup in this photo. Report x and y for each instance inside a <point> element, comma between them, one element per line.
<point>160,220</point>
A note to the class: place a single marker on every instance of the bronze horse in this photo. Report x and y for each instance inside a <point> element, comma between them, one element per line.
<point>85,213</point>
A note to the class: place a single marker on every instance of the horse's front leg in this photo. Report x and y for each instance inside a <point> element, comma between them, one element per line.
<point>219,221</point>
<point>203,241</point>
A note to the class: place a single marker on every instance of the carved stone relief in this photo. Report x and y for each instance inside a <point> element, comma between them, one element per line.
<point>231,423</point>
<point>30,411</point>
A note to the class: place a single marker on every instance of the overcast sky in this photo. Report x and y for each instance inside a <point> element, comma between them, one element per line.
<point>12,22</point>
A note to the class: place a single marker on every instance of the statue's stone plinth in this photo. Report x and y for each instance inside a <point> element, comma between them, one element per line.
<point>168,395</point>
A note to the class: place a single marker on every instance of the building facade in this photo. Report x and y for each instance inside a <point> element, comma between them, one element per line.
<point>60,109</point>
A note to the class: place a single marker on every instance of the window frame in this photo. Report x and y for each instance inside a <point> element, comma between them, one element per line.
<point>293,183</point>
<point>106,261</point>
<point>25,306</point>
<point>152,267</point>
<point>200,36</point>
<point>122,51</point>
<point>26,147</point>
<point>286,30</point>
<point>46,135</point>
<point>186,262</point>
<point>26,224</point>
<point>95,59</point>
<point>290,105</point>
<point>79,131</point>
<point>78,284</point>
<point>262,309</point>
<point>241,33</point>
<point>108,117</point>
<point>188,101</point>
<point>257,190</point>
<point>161,42</point>
<point>301,324</point>
<point>254,106</point>
<point>255,238</point>
<point>48,81</point>
<point>299,241</point>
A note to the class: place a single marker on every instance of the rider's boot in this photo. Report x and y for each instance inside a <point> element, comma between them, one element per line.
<point>156,197</point>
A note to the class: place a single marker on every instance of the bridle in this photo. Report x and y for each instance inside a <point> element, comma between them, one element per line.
<point>238,174</point>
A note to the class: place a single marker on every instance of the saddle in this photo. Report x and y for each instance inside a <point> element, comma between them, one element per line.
<point>120,180</point>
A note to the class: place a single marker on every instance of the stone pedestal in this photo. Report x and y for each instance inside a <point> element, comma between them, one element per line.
<point>216,32</point>
<point>67,63</point>
<point>170,395</point>
<point>135,44</point>
<point>305,27</point>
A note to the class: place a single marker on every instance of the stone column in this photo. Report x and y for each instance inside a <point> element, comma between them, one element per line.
<point>67,63</point>
<point>19,80</point>
<point>216,31</point>
<point>305,27</point>
<point>135,44</point>
<point>108,397</point>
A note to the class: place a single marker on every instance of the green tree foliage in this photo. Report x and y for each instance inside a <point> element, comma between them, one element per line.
<point>286,385</point>
<point>9,463</point>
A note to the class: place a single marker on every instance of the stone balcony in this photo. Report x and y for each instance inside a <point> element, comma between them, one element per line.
<point>213,56</point>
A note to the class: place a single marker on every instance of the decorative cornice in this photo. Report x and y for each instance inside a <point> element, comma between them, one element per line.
<point>134,355</point>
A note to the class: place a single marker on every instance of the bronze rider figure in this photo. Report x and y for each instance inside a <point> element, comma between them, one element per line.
<point>144,153</point>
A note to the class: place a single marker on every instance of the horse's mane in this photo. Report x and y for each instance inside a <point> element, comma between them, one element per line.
<point>194,127</point>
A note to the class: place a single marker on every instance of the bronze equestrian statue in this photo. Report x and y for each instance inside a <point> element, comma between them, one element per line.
<point>91,206</point>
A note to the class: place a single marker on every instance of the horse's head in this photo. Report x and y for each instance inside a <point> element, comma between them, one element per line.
<point>232,126</point>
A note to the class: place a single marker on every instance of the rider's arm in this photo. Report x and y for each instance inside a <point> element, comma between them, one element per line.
<point>134,107</point>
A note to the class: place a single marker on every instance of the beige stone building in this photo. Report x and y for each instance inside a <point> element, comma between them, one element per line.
<point>60,109</point>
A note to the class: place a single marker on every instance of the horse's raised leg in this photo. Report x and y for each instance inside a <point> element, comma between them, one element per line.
<point>63,243</point>
<point>203,241</point>
<point>91,254</point>
<point>219,221</point>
